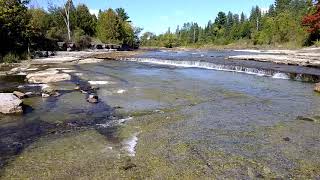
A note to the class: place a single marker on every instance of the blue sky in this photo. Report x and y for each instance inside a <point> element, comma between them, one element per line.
<point>157,16</point>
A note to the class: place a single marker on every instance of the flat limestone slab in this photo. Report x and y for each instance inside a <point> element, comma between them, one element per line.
<point>47,76</point>
<point>10,104</point>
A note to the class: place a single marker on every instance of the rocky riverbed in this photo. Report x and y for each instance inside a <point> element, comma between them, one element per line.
<point>153,115</point>
<point>309,57</point>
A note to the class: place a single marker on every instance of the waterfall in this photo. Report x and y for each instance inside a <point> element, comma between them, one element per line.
<point>230,68</point>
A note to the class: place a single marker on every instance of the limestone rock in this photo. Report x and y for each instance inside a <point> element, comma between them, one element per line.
<point>47,76</point>
<point>10,104</point>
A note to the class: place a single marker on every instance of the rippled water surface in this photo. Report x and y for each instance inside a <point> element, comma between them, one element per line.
<point>161,121</point>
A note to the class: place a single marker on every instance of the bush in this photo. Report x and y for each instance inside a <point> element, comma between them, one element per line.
<point>317,43</point>
<point>11,58</point>
<point>81,40</point>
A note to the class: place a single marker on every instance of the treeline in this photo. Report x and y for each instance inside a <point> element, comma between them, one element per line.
<point>24,30</point>
<point>280,25</point>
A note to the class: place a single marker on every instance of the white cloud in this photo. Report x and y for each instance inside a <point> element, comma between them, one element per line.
<point>94,11</point>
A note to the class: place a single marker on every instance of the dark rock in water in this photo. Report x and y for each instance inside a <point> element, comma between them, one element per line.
<point>93,98</point>
<point>286,139</point>
<point>20,95</point>
<point>310,119</point>
<point>10,104</point>
<point>317,87</point>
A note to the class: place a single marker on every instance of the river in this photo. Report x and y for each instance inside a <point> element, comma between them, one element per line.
<point>168,114</point>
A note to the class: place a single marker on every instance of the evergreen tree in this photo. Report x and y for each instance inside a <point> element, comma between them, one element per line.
<point>108,27</point>
<point>221,20</point>
<point>84,20</point>
<point>123,15</point>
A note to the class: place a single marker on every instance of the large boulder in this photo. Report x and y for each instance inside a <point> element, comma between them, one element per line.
<point>10,104</point>
<point>47,76</point>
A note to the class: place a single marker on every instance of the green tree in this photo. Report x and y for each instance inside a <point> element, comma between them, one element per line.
<point>14,21</point>
<point>84,20</point>
<point>122,14</point>
<point>109,27</point>
<point>221,20</point>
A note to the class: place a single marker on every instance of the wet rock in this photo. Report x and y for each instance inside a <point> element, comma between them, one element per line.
<point>47,76</point>
<point>93,99</point>
<point>317,87</point>
<point>20,95</point>
<point>10,104</point>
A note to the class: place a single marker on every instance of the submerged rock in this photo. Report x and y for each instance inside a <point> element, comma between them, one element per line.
<point>10,104</point>
<point>93,99</point>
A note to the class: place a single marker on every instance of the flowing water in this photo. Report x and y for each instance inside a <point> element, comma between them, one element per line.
<point>171,115</point>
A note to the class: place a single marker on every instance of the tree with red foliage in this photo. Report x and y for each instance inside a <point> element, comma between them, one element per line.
<point>313,20</point>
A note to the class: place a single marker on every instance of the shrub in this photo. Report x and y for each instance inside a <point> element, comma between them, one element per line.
<point>11,58</point>
<point>317,43</point>
<point>82,41</point>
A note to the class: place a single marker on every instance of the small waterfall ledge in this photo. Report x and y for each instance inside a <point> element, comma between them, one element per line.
<point>229,68</point>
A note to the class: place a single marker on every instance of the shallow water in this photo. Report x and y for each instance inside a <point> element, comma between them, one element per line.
<point>168,121</point>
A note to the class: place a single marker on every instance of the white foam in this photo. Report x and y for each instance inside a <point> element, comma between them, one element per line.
<point>98,82</point>
<point>121,121</point>
<point>22,74</point>
<point>115,122</point>
<point>78,74</point>
<point>129,145</point>
<point>121,91</point>
<point>204,65</point>
<point>280,76</point>
<point>69,71</point>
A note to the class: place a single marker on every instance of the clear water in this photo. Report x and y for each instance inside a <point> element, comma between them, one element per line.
<point>240,115</point>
